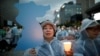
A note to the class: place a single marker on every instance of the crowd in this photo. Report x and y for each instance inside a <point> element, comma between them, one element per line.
<point>9,37</point>
<point>84,39</point>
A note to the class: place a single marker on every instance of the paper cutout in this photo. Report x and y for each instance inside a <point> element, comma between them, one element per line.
<point>32,35</point>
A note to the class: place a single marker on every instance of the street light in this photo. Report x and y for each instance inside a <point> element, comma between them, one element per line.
<point>58,15</point>
<point>63,6</point>
<point>57,10</point>
<point>97,16</point>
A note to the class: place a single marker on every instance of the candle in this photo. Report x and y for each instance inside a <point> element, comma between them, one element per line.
<point>67,46</point>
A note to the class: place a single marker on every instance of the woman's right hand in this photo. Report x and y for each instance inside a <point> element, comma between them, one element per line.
<point>32,51</point>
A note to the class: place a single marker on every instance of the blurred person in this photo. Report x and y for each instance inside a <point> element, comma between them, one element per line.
<point>72,32</point>
<point>62,34</point>
<point>58,29</point>
<point>20,29</point>
<point>15,35</point>
<point>51,46</point>
<point>8,36</point>
<point>88,44</point>
<point>3,31</point>
<point>3,42</point>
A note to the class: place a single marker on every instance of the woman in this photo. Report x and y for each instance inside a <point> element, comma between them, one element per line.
<point>51,46</point>
<point>88,44</point>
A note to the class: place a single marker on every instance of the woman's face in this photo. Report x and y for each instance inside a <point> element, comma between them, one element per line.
<point>93,32</point>
<point>48,32</point>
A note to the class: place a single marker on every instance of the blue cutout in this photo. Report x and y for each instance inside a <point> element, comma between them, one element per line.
<point>32,35</point>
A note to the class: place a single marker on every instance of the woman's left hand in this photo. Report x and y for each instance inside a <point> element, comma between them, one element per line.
<point>69,53</point>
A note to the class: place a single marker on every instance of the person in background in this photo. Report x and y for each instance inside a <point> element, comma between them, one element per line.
<point>15,35</point>
<point>3,32</point>
<point>58,29</point>
<point>20,29</point>
<point>51,46</point>
<point>88,43</point>
<point>62,34</point>
<point>8,37</point>
<point>6,40</point>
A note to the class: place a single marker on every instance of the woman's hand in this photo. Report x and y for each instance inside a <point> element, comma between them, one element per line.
<point>33,52</point>
<point>30,52</point>
<point>69,53</point>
